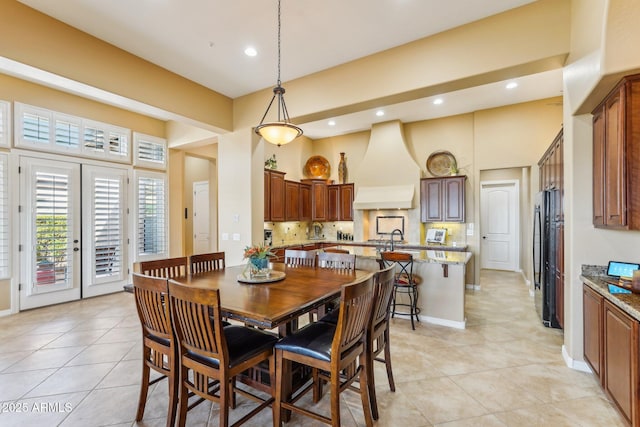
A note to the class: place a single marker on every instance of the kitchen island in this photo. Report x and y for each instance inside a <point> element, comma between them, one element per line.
<point>441,293</point>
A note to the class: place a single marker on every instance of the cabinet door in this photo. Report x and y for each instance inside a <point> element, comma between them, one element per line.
<point>431,200</point>
<point>598,168</point>
<point>319,201</point>
<point>267,196</point>
<point>592,303</point>
<point>621,360</point>
<point>614,157</point>
<point>333,203</point>
<point>453,200</point>
<point>277,196</point>
<point>292,201</point>
<point>346,202</point>
<point>305,202</point>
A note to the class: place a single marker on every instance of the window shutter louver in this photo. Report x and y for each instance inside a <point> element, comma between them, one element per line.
<point>4,218</point>
<point>35,128</point>
<point>150,151</point>
<point>152,215</point>
<point>108,227</point>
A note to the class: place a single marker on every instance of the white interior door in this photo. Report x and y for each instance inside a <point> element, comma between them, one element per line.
<point>104,245</point>
<point>499,222</point>
<point>49,232</point>
<point>201,218</point>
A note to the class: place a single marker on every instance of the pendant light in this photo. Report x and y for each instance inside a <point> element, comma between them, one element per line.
<point>281,131</point>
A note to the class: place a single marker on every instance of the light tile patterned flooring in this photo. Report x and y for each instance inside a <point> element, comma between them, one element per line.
<point>78,364</point>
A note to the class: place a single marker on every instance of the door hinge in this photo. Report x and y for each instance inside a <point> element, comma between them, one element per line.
<point>19,286</point>
<point>127,180</point>
<point>19,248</point>
<point>128,271</point>
<point>19,169</point>
<point>127,211</point>
<point>128,241</point>
<point>19,208</point>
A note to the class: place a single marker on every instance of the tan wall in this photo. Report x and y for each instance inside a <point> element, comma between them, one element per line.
<point>35,39</point>
<point>5,295</point>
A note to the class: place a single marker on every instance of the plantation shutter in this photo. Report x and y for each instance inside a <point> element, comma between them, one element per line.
<point>4,218</point>
<point>150,151</point>
<point>152,215</point>
<point>5,131</point>
<point>67,134</point>
<point>53,226</point>
<point>35,127</point>
<point>108,223</point>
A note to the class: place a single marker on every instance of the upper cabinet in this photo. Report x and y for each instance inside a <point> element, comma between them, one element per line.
<point>442,199</point>
<point>274,196</point>
<point>340,198</point>
<point>616,155</point>
<point>319,199</point>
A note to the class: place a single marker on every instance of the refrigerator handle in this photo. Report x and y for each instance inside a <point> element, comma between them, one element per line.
<point>537,225</point>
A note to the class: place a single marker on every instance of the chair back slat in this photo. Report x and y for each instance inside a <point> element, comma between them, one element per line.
<point>202,263</point>
<point>197,320</point>
<point>356,300</point>
<point>337,261</point>
<point>150,295</point>
<point>383,280</point>
<point>167,268</point>
<point>299,258</point>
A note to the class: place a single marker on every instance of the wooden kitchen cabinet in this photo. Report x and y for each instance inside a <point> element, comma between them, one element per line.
<point>274,195</point>
<point>442,199</point>
<point>616,154</point>
<point>592,306</point>
<point>319,199</point>
<point>621,361</point>
<point>292,201</point>
<point>305,202</point>
<point>340,202</point>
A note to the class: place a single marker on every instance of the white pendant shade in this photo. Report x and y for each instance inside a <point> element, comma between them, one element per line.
<point>279,133</point>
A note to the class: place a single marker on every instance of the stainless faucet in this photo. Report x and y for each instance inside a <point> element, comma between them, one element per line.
<point>392,234</point>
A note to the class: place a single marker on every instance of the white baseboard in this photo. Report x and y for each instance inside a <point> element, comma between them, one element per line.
<point>445,322</point>
<point>578,365</point>
<point>531,293</point>
<point>472,287</point>
<point>6,312</point>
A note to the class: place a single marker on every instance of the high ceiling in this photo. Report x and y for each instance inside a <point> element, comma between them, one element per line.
<point>204,40</point>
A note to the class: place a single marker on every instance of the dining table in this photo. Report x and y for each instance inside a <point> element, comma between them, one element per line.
<point>277,301</point>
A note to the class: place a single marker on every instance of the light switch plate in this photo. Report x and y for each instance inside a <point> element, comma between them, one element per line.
<point>225,236</point>
<point>236,236</point>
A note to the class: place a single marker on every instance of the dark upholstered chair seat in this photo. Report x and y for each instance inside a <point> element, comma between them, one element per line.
<point>242,344</point>
<point>314,340</point>
<point>331,317</point>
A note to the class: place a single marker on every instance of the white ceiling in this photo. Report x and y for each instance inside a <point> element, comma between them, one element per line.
<point>204,40</point>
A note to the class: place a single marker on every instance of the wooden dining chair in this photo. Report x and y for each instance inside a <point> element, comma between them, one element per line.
<point>329,350</point>
<point>202,263</point>
<point>207,350</point>
<point>405,282</point>
<point>300,258</point>
<point>159,350</point>
<point>337,261</point>
<point>377,337</point>
<point>167,268</point>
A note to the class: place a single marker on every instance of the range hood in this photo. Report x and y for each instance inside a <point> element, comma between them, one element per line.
<point>388,176</point>
<point>387,197</point>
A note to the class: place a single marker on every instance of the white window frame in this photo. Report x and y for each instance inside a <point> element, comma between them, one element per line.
<point>5,124</point>
<point>83,124</point>
<point>137,175</point>
<point>139,140</point>
<point>5,229</point>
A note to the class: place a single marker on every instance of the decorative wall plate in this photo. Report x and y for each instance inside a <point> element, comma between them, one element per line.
<point>317,167</point>
<point>442,163</point>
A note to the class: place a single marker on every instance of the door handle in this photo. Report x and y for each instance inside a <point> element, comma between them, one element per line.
<point>76,249</point>
<point>484,237</point>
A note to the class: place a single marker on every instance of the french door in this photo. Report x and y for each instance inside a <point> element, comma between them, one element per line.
<point>58,262</point>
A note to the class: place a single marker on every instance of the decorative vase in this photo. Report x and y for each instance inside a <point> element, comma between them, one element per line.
<point>259,267</point>
<point>342,169</point>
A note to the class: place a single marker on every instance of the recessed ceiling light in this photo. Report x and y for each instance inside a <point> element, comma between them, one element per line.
<point>437,101</point>
<point>379,113</point>
<point>250,51</point>
<point>332,123</point>
<point>511,85</point>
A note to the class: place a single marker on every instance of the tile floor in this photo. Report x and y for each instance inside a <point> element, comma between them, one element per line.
<point>78,364</point>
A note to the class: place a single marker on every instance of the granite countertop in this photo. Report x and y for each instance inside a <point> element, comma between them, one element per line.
<point>629,303</point>
<point>373,244</point>
<point>426,256</point>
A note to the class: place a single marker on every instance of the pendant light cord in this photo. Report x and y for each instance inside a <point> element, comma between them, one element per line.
<point>279,82</point>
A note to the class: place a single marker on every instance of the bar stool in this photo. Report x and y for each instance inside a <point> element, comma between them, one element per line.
<point>405,282</point>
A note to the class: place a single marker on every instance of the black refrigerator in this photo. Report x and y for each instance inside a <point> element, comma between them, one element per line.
<point>545,227</point>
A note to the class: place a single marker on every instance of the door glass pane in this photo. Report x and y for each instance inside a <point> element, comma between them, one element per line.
<point>108,227</point>
<point>52,229</point>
